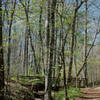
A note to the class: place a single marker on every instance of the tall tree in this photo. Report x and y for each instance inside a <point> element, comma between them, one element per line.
<point>9,39</point>
<point>92,45</point>
<point>52,18</point>
<point>63,43</point>
<point>85,42</point>
<point>1,57</point>
<point>72,42</point>
<point>27,36</point>
<point>76,8</point>
<point>25,63</point>
<point>47,46</point>
<point>64,68</point>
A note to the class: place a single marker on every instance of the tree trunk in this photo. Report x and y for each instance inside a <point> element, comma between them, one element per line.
<point>97,32</point>
<point>41,40</point>
<point>85,43</point>
<point>47,45</point>
<point>49,79</point>
<point>63,42</point>
<point>1,57</point>
<point>72,41</point>
<point>25,65</point>
<point>72,47</point>
<point>27,36</point>
<point>75,61</point>
<point>9,41</point>
<point>64,74</point>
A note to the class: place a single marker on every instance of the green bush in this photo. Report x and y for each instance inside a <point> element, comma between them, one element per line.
<point>72,92</point>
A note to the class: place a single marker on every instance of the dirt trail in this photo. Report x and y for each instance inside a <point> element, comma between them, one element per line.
<point>90,94</point>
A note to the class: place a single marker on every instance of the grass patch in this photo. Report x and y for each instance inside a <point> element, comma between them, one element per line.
<point>72,92</point>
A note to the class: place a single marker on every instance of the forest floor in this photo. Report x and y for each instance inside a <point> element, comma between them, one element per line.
<point>24,91</point>
<point>90,94</point>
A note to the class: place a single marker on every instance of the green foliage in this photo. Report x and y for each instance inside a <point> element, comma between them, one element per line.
<point>13,78</point>
<point>31,70</point>
<point>59,95</point>
<point>72,92</point>
<point>33,81</point>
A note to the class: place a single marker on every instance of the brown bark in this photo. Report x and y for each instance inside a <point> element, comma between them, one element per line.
<point>64,72</point>
<point>63,63</point>
<point>34,54</point>
<point>85,43</point>
<point>9,41</point>
<point>27,36</point>
<point>72,46</point>
<point>72,41</point>
<point>48,31</point>
<point>41,40</point>
<point>47,46</point>
<point>63,42</point>
<point>49,80</point>
<point>25,63</point>
<point>75,61</point>
<point>1,57</point>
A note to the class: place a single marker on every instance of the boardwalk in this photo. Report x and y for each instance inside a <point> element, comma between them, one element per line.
<point>90,94</point>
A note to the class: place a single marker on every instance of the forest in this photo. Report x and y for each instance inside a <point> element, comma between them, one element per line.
<point>49,49</point>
